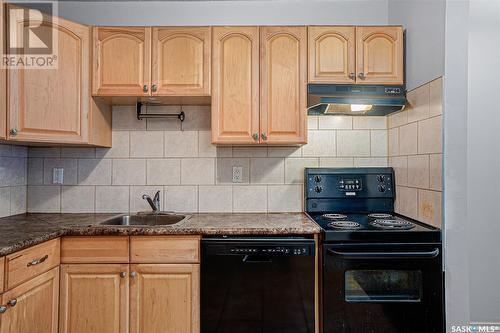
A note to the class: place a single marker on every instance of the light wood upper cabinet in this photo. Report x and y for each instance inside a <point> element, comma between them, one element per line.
<point>3,77</point>
<point>379,52</point>
<point>35,306</point>
<point>181,61</point>
<point>165,298</point>
<point>332,54</point>
<point>94,298</point>
<point>52,105</point>
<point>283,79</point>
<point>235,85</point>
<point>121,61</point>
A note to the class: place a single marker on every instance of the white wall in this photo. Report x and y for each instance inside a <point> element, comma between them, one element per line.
<point>455,163</point>
<point>293,12</point>
<point>424,24</point>
<point>472,188</point>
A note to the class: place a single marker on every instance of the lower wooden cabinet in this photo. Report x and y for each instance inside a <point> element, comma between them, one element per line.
<point>156,297</point>
<point>165,298</point>
<point>94,298</point>
<point>32,306</point>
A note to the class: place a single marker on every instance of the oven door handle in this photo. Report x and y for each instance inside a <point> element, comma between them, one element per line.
<point>384,255</point>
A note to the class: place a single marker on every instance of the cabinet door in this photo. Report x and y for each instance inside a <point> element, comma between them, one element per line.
<point>94,298</point>
<point>379,55</point>
<point>121,61</point>
<point>283,110</point>
<point>3,77</point>
<point>165,298</point>
<point>181,61</point>
<point>235,96</point>
<point>52,105</point>
<point>332,54</point>
<point>36,305</point>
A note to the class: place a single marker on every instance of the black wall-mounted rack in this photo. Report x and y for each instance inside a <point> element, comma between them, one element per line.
<point>181,115</point>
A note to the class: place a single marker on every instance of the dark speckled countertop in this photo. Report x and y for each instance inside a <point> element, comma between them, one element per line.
<point>21,231</point>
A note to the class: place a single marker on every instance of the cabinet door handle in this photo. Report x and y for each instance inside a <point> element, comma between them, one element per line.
<point>13,132</point>
<point>255,136</point>
<point>145,88</point>
<point>123,274</point>
<point>264,136</point>
<point>133,274</point>
<point>352,76</point>
<point>154,88</point>
<point>362,76</point>
<point>37,261</point>
<point>3,309</point>
<point>12,302</point>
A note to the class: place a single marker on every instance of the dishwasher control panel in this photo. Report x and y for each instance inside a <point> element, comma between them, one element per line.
<point>288,247</point>
<point>274,250</point>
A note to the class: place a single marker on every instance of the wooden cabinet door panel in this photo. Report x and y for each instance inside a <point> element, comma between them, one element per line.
<point>165,298</point>
<point>283,111</point>
<point>235,96</point>
<point>332,54</point>
<point>181,61</point>
<point>52,105</point>
<point>379,55</point>
<point>121,61</point>
<point>36,309</point>
<point>94,298</point>
<point>3,77</point>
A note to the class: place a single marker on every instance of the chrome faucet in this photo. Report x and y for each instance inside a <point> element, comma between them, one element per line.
<point>154,203</point>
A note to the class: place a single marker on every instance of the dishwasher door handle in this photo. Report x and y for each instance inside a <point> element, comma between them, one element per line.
<point>252,259</point>
<point>385,255</point>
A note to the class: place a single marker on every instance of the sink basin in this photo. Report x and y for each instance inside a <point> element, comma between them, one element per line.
<point>149,220</point>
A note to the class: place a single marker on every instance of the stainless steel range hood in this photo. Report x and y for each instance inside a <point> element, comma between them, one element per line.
<point>354,100</point>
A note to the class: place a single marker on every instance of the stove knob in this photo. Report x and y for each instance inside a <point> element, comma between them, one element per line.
<point>380,178</point>
<point>318,189</point>
<point>317,178</point>
<point>381,188</point>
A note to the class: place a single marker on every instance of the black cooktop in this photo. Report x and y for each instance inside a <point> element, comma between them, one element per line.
<point>380,226</point>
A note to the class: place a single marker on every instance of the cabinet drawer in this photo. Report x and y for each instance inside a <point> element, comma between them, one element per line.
<point>2,265</point>
<point>165,249</point>
<point>23,265</point>
<point>90,250</point>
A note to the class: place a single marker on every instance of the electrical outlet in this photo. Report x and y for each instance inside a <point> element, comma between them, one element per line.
<point>58,176</point>
<point>237,174</point>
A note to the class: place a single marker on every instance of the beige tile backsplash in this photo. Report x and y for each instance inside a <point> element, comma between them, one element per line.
<point>195,176</point>
<point>192,174</point>
<point>13,179</point>
<point>415,153</point>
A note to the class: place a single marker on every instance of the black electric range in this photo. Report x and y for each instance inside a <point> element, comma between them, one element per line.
<point>382,272</point>
<point>373,226</point>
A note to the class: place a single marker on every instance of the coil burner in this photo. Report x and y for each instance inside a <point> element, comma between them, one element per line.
<point>380,216</point>
<point>334,216</point>
<point>392,224</point>
<point>345,225</point>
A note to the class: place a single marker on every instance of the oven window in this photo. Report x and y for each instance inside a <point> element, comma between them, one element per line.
<point>383,286</point>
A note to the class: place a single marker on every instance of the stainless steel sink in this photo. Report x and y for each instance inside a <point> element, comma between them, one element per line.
<point>150,220</point>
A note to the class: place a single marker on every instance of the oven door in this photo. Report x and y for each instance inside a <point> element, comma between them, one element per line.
<point>382,288</point>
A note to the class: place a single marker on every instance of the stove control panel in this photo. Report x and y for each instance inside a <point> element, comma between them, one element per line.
<point>349,183</point>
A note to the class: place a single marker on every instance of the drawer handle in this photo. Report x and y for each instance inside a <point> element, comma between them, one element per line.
<point>38,261</point>
<point>12,302</point>
<point>3,309</point>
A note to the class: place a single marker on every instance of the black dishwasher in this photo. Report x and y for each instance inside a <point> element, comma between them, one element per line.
<point>257,284</point>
